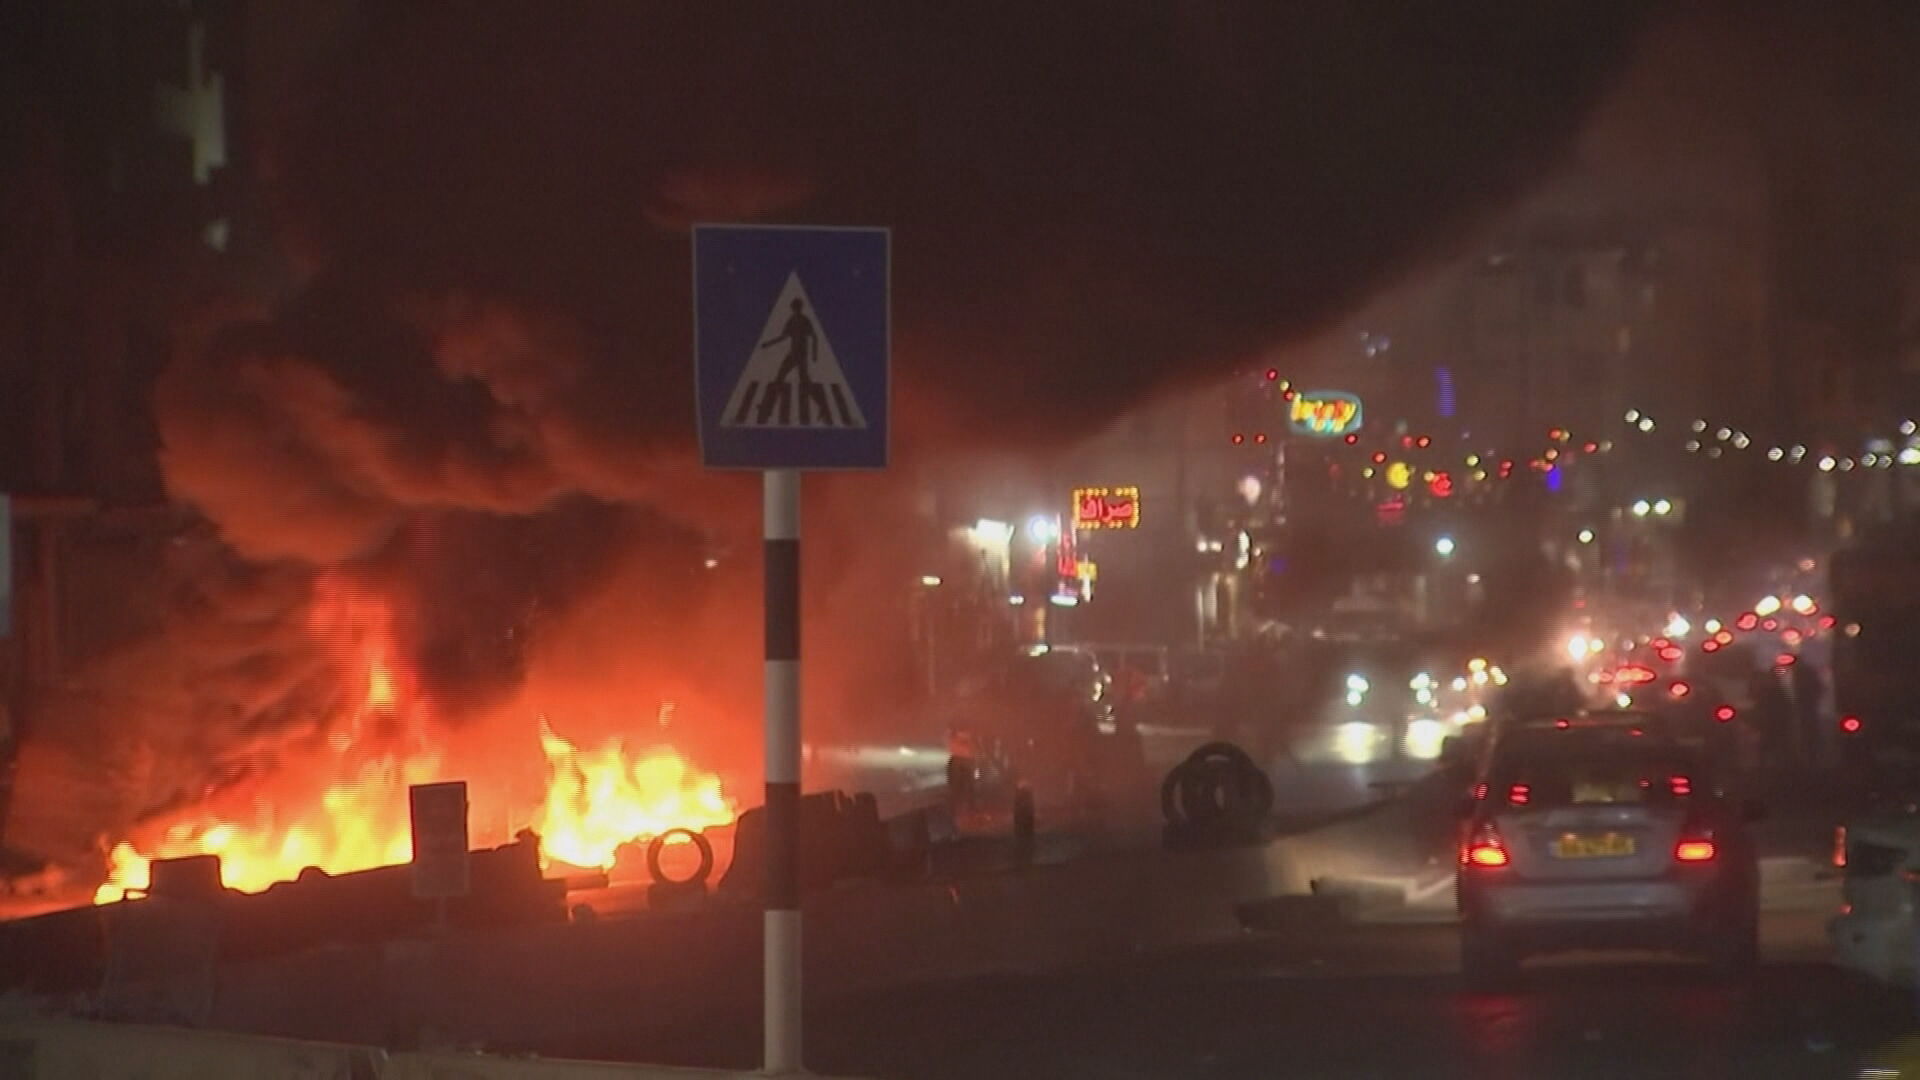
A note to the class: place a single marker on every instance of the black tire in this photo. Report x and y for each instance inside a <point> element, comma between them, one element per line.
<point>1487,962</point>
<point>1735,952</point>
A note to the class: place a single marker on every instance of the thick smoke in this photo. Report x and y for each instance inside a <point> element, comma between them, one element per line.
<point>479,392</point>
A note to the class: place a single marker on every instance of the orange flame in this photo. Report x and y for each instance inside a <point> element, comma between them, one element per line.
<point>347,810</point>
<point>598,800</point>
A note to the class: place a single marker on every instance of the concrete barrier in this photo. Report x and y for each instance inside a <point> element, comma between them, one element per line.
<point>62,1049</point>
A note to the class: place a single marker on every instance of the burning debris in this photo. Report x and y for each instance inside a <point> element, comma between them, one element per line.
<point>343,808</point>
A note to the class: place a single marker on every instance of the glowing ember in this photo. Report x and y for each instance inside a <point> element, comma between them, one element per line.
<point>599,799</point>
<point>345,807</point>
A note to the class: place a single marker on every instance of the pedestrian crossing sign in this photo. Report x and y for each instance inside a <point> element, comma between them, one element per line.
<point>791,346</point>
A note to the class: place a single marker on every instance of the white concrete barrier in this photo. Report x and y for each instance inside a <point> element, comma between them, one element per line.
<point>63,1049</point>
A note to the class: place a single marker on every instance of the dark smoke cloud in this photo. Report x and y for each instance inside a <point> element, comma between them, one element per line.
<point>1090,202</point>
<point>478,396</point>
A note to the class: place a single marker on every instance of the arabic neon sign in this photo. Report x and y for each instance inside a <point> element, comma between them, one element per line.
<point>1106,508</point>
<point>1324,414</point>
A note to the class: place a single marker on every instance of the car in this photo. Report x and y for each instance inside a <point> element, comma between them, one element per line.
<point>1879,857</point>
<point>1597,831</point>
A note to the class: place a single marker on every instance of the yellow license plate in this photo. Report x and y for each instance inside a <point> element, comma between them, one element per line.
<point>1606,846</point>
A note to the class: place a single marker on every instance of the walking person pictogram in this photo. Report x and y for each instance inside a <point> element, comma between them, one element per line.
<point>802,348</point>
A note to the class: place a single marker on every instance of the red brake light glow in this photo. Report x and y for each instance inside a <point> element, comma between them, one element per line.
<point>1679,689</point>
<point>1709,645</point>
<point>1680,785</point>
<point>1484,849</point>
<point>1725,714</point>
<point>1520,794</point>
<point>1563,723</point>
<point>1670,653</point>
<point>1840,847</point>
<point>1850,724</point>
<point>1693,851</point>
<point>1747,621</point>
<point>1785,659</point>
<point>1487,855</point>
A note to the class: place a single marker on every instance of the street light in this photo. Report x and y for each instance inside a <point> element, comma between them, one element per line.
<point>1586,536</point>
<point>1444,546</point>
<point>1043,529</point>
<point>1663,507</point>
<point>1641,508</point>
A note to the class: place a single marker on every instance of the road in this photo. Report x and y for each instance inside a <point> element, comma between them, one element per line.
<point>1372,998</point>
<point>1372,1001</point>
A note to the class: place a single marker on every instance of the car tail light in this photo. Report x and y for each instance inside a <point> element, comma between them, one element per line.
<point>1694,851</point>
<point>1563,723</point>
<point>1850,724</point>
<point>1680,785</point>
<point>1679,689</point>
<point>1520,794</point>
<point>1696,844</point>
<point>1484,848</point>
<point>1480,791</point>
<point>1725,714</point>
<point>1840,847</point>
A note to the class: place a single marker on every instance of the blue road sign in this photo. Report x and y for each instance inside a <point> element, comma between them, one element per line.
<point>791,346</point>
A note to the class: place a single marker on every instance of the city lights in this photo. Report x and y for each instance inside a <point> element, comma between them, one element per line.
<point>1585,536</point>
<point>1042,529</point>
<point>1444,546</point>
<point>1641,508</point>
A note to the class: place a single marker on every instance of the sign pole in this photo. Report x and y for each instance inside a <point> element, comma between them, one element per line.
<point>780,530</point>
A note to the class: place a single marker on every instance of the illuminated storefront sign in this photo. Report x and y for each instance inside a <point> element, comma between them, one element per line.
<point>1325,413</point>
<point>1106,508</point>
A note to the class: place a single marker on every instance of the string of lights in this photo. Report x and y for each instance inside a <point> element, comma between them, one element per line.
<point>1718,440</point>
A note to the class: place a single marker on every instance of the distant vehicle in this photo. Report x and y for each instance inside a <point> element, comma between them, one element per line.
<point>1140,673</point>
<point>1048,722</point>
<point>1597,831</point>
<point>1880,859</point>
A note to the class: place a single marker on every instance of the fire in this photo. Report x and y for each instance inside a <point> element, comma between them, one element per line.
<point>598,800</point>
<point>345,808</point>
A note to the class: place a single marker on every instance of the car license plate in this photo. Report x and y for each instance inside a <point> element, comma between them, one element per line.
<point>1605,846</point>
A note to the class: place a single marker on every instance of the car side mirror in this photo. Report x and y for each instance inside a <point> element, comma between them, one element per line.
<point>1753,810</point>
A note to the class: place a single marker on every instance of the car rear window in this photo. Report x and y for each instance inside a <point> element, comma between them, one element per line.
<point>1576,775</point>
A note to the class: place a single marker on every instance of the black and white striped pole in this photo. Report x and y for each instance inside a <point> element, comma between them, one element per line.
<point>780,530</point>
<point>765,298</point>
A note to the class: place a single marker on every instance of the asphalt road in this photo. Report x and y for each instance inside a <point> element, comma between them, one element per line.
<point>1375,1001</point>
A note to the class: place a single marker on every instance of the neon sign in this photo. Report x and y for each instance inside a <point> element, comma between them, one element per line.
<point>1324,414</point>
<point>1106,508</point>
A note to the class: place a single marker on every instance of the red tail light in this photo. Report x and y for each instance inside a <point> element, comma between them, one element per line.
<point>1694,851</point>
<point>1850,724</point>
<point>1747,621</point>
<point>1484,849</point>
<point>1725,714</point>
<point>1680,785</point>
<point>1563,723</point>
<point>1840,847</point>
<point>1520,794</point>
<point>1679,689</point>
<point>1670,653</point>
<point>1480,790</point>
